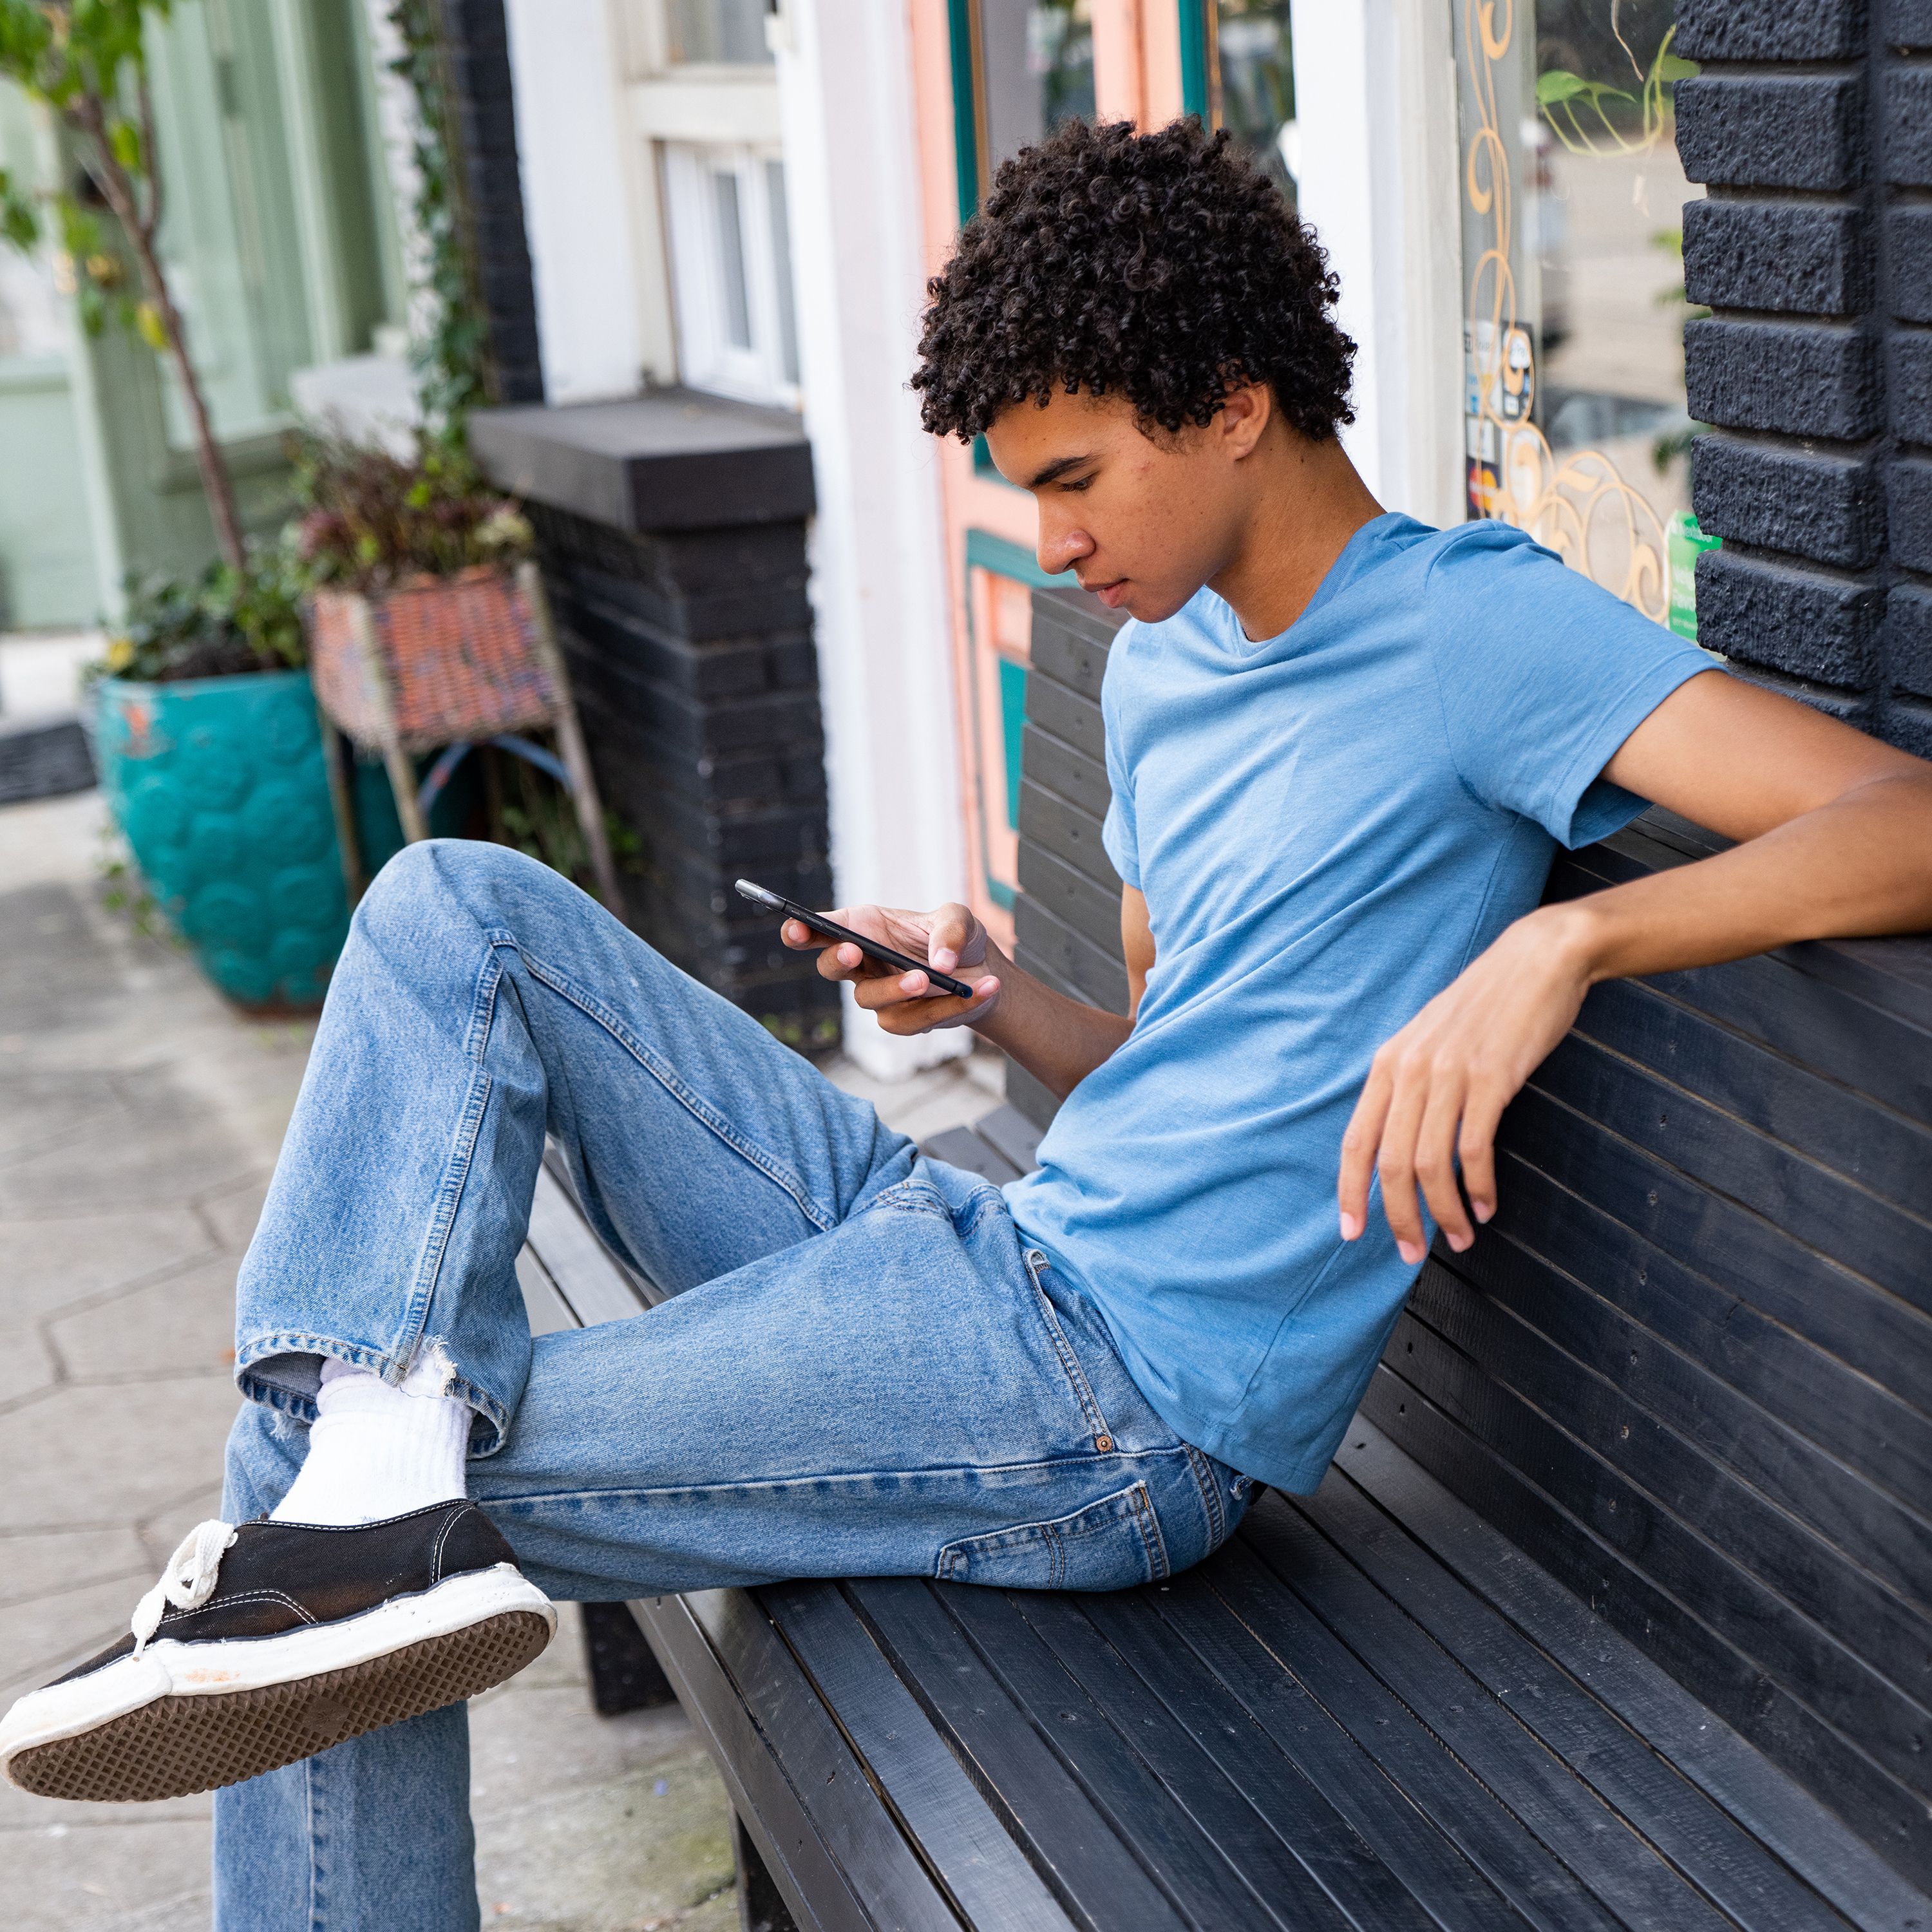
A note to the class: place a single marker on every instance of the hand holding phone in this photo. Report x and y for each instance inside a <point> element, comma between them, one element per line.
<point>873,949</point>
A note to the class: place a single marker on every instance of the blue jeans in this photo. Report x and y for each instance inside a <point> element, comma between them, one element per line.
<point>860,1371</point>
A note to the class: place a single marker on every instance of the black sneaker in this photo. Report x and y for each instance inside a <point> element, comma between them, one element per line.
<point>269,1642</point>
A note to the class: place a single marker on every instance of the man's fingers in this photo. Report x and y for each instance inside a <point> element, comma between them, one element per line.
<point>952,929</point>
<point>1359,1144</point>
<point>1436,1159</point>
<point>1482,1112</point>
<point>1396,1164</point>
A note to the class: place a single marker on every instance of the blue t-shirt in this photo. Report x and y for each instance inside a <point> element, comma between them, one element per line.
<point>1328,827</point>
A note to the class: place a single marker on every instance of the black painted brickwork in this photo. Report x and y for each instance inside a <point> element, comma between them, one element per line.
<point>483,139</point>
<point>692,655</point>
<point>1773,130</point>
<point>1813,132</point>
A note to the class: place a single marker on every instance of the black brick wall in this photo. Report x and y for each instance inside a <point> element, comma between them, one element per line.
<point>1811,124</point>
<point>483,142</point>
<point>692,655</point>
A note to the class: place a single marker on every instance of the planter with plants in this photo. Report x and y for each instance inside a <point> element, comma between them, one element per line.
<point>429,631</point>
<point>211,761</point>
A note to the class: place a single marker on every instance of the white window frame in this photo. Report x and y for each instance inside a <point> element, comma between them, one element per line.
<point>708,357</point>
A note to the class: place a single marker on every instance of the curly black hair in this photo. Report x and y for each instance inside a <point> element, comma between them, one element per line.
<point>1163,267</point>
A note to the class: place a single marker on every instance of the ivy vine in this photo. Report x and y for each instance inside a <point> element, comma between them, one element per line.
<point>451,356</point>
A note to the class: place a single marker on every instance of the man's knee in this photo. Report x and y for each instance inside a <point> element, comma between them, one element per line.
<point>471,870</point>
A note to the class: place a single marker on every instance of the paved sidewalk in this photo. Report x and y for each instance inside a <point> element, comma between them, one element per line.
<point>139,1118</point>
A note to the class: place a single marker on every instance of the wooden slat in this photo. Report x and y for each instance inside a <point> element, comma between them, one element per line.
<point>1708,1418</point>
<point>1745,1254</point>
<point>1250,1629</point>
<point>1068,714</point>
<point>834,1851</point>
<point>1570,1813</point>
<point>1323,1797</point>
<point>1219,1869</point>
<point>983,1870</point>
<point>1051,762</point>
<point>1756,1617</point>
<point>1013,1133</point>
<point>1072,898</point>
<point>1809,1021</point>
<point>1068,833</point>
<point>1099,1879</point>
<point>1808,1202</point>
<point>1075,961</point>
<point>1623,1593</point>
<point>1827,1124</point>
<point>961,1146</point>
<point>1764,1361</point>
<point>1412,1592</point>
<point>1663,1717</point>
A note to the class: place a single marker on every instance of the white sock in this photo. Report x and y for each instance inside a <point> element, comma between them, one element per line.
<point>376,1450</point>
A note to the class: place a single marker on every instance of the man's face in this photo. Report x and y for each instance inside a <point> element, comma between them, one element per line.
<point>1144,520</point>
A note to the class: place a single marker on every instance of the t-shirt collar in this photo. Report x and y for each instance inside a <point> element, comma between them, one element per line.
<point>1358,554</point>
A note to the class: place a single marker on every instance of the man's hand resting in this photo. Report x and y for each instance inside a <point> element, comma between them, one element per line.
<point>1437,1089</point>
<point>949,937</point>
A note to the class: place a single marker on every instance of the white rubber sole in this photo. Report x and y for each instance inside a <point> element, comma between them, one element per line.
<point>189,1716</point>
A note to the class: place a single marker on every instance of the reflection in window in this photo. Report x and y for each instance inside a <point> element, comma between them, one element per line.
<point>729,33</point>
<point>781,223</point>
<point>1035,71</point>
<point>1251,83</point>
<point>731,260</point>
<point>1572,201</point>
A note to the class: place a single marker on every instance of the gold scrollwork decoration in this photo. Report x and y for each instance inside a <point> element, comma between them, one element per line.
<point>1577,503</point>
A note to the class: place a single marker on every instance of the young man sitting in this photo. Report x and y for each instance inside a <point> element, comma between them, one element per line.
<point>1343,748</point>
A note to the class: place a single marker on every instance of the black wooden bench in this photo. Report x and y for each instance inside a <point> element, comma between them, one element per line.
<point>1615,1610</point>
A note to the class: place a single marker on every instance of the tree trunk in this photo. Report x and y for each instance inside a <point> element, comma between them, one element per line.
<point>216,484</point>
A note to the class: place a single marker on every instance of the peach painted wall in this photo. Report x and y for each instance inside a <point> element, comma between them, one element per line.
<point>1136,77</point>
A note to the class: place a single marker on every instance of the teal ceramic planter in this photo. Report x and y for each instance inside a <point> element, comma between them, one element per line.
<point>219,786</point>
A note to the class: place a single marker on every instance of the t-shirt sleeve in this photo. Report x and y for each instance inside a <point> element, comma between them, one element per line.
<point>1118,834</point>
<point>1543,674</point>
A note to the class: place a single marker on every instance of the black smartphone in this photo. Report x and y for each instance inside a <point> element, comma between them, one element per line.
<point>777,902</point>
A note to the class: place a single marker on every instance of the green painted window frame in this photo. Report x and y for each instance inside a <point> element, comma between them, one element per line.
<point>1003,558</point>
<point>1194,58</point>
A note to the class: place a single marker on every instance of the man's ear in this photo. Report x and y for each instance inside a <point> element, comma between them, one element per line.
<point>1245,413</point>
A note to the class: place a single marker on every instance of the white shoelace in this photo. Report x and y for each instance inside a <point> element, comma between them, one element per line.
<point>188,1581</point>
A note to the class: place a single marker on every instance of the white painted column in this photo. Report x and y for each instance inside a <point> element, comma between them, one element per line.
<point>878,583</point>
<point>1375,92</point>
<point>568,84</point>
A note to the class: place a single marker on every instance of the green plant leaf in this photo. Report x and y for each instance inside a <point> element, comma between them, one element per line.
<point>150,327</point>
<point>1675,67</point>
<point>124,141</point>
<point>19,222</point>
<point>1558,85</point>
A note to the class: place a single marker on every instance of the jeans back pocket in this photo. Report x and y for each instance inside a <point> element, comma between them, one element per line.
<point>1112,1544</point>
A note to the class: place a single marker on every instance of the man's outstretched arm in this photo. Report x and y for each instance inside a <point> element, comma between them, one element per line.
<point>1835,832</point>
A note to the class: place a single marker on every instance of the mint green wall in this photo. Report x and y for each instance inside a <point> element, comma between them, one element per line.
<point>276,238</point>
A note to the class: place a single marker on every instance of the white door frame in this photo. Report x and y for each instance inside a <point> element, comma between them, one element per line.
<point>878,574</point>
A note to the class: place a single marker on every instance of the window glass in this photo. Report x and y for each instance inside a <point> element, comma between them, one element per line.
<point>775,197</point>
<point>719,32</point>
<point>1035,71</point>
<point>731,271</point>
<point>1251,83</point>
<point>731,260</point>
<point>1572,223</point>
